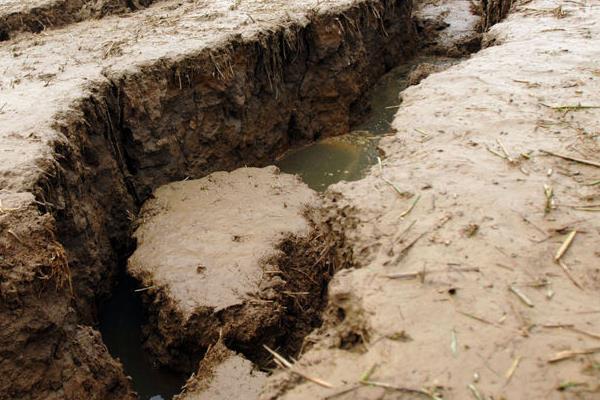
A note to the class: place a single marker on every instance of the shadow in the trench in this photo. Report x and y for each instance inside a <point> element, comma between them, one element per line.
<point>121,320</point>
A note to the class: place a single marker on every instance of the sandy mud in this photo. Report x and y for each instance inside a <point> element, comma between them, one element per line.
<point>478,244</point>
<point>475,236</point>
<point>223,374</point>
<point>209,250</point>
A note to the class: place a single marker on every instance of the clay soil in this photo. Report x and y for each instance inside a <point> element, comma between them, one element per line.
<point>95,115</point>
<point>477,291</point>
<point>241,256</point>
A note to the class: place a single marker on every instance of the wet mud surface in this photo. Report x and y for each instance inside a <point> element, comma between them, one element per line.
<point>464,289</point>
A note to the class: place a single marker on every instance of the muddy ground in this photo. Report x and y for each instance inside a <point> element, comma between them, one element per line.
<point>470,293</point>
<point>231,256</point>
<point>475,263</point>
<point>18,16</point>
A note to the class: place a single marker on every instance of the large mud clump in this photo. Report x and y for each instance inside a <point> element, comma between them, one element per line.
<point>241,256</point>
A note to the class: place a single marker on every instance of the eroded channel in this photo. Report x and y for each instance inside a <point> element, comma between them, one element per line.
<point>121,322</point>
<point>163,117</point>
<point>346,157</point>
<point>342,158</point>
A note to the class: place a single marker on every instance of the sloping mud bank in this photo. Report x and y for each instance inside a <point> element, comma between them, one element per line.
<point>39,15</point>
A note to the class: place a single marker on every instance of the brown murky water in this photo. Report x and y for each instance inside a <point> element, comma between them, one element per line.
<point>349,157</point>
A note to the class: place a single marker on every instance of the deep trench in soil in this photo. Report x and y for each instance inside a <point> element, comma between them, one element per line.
<point>121,320</point>
<point>320,164</point>
<point>348,157</point>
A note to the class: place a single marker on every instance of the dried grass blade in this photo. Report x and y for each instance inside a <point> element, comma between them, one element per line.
<point>565,246</point>
<point>291,367</point>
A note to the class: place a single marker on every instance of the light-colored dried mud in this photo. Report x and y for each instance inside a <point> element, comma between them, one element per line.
<point>209,251</point>
<point>204,241</point>
<point>479,227</point>
<point>224,375</point>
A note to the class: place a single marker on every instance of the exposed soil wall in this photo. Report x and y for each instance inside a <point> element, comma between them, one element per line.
<point>146,129</point>
<point>45,353</point>
<point>495,11</point>
<point>37,16</point>
<point>248,101</point>
<point>240,103</point>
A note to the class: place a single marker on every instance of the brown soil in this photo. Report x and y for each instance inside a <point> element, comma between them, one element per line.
<point>225,375</point>
<point>44,350</point>
<point>139,100</point>
<point>449,28</point>
<point>39,15</point>
<point>462,296</point>
<point>215,254</point>
<point>243,258</point>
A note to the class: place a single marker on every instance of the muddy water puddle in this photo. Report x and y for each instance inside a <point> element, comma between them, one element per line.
<point>121,322</point>
<point>331,160</point>
<point>349,157</point>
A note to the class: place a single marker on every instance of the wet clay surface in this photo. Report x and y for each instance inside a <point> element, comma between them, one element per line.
<point>224,375</point>
<point>461,295</point>
<point>204,241</point>
<point>231,255</point>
